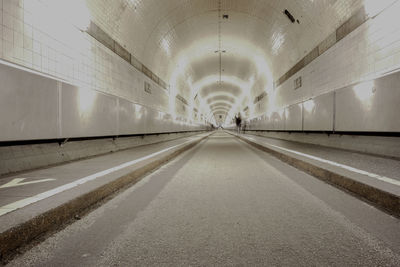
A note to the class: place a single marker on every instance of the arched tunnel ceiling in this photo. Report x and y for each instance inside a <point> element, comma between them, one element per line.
<point>190,45</point>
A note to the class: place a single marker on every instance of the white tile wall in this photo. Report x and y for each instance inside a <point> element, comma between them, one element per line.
<point>167,31</point>
<point>45,43</point>
<point>370,51</point>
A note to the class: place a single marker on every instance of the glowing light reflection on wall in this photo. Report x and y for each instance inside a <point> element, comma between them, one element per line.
<point>86,101</point>
<point>364,92</point>
<point>309,105</point>
<point>191,98</point>
<point>199,50</point>
<point>165,46</point>
<point>139,110</point>
<point>277,40</point>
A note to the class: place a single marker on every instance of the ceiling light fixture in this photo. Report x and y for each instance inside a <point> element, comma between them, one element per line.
<point>289,15</point>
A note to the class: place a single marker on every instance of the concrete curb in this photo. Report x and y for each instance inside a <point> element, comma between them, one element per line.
<point>16,159</point>
<point>379,198</point>
<point>51,220</point>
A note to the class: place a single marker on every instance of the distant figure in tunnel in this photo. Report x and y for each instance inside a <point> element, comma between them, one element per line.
<point>238,120</point>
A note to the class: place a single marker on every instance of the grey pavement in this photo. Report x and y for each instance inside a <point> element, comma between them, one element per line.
<point>225,203</point>
<point>375,164</point>
<point>69,172</point>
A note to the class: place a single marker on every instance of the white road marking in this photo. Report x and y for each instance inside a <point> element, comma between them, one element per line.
<point>18,182</point>
<point>372,175</point>
<point>24,202</point>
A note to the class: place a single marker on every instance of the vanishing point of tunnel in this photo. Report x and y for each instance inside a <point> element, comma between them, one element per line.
<point>199,132</point>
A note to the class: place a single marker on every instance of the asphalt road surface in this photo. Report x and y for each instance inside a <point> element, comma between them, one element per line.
<point>226,203</point>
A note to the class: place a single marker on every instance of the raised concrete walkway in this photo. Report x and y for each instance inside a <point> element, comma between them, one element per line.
<point>34,203</point>
<point>225,203</point>
<point>373,178</point>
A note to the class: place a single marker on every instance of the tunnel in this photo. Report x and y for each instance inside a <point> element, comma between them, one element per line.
<point>199,133</point>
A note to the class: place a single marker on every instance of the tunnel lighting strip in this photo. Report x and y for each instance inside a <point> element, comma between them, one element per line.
<point>372,175</point>
<point>30,200</point>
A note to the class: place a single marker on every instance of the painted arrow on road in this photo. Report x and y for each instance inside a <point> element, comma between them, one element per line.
<point>18,181</point>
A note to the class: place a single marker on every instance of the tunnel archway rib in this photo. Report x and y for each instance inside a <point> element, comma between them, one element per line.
<point>220,108</point>
<point>228,89</point>
<point>221,95</point>
<point>220,104</point>
<point>257,41</point>
<point>232,89</point>
<point>220,113</point>
<point>220,98</point>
